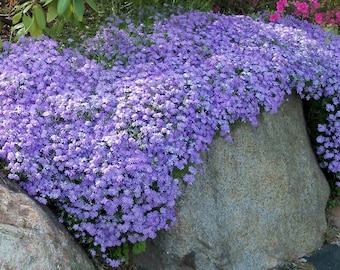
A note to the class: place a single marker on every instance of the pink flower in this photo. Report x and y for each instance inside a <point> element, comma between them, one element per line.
<point>280,5</point>
<point>314,5</point>
<point>274,17</point>
<point>301,9</point>
<point>337,15</point>
<point>318,18</point>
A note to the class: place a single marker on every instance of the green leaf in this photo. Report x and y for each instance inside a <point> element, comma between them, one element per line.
<point>52,12</point>
<point>68,14</point>
<point>125,252</point>
<point>47,2</point>
<point>22,6</point>
<point>25,4</point>
<point>79,8</point>
<point>57,28</point>
<point>62,6</point>
<point>27,8</point>
<point>50,32</point>
<point>18,26</point>
<point>17,18</point>
<point>39,16</point>
<point>117,252</point>
<point>0,43</point>
<point>20,33</point>
<point>27,21</point>
<point>92,5</point>
<point>139,247</point>
<point>35,30</point>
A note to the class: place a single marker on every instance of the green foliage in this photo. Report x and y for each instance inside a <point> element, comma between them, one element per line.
<point>334,198</point>
<point>244,6</point>
<point>79,8</point>
<point>123,252</point>
<point>47,16</point>
<point>130,7</point>
<point>334,30</point>
<point>179,173</point>
<point>62,6</point>
<point>138,247</point>
<point>79,17</point>
<point>203,5</point>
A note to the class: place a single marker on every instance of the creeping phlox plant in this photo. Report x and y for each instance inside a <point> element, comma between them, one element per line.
<point>104,139</point>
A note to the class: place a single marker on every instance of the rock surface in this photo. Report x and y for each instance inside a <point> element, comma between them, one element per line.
<point>31,237</point>
<point>260,201</point>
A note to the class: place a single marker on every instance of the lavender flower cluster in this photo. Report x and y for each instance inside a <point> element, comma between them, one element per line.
<point>101,138</point>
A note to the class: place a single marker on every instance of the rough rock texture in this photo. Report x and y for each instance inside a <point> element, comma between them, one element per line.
<point>260,201</point>
<point>30,236</point>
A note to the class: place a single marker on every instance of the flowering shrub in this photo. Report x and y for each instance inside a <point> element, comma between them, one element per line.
<point>311,10</point>
<point>104,139</point>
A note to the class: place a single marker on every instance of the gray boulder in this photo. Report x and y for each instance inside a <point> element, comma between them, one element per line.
<point>31,238</point>
<point>260,201</point>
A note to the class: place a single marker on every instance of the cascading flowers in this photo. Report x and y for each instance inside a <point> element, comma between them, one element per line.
<point>104,139</point>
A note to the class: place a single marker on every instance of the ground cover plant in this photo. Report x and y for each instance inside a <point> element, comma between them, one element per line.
<point>105,131</point>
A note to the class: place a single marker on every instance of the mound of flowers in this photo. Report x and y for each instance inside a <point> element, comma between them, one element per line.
<point>105,132</point>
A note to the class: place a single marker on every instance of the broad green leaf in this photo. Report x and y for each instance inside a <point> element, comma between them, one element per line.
<point>79,8</point>
<point>92,5</point>
<point>0,43</point>
<point>52,12</point>
<point>17,18</point>
<point>35,30</point>
<point>22,6</point>
<point>68,14</point>
<point>21,32</point>
<point>39,16</point>
<point>27,8</point>
<point>58,27</point>
<point>47,2</point>
<point>18,26</point>
<point>62,6</point>
<point>27,20</point>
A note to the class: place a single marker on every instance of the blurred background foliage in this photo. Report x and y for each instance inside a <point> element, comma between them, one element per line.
<point>56,17</point>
